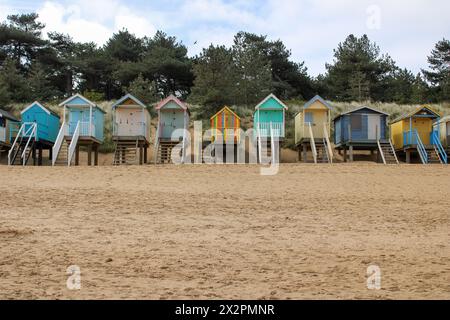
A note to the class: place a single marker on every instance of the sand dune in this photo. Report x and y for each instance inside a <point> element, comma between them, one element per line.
<point>191,232</point>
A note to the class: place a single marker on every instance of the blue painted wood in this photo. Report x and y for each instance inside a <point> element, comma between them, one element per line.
<point>47,122</point>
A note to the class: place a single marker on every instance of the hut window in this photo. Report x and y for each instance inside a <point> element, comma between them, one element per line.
<point>2,122</point>
<point>356,122</point>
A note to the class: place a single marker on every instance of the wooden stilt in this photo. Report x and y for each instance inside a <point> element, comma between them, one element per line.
<point>345,154</point>
<point>77,155</point>
<point>96,155</point>
<point>34,155</point>
<point>145,154</point>
<point>408,156</point>
<point>351,153</point>
<point>40,155</point>
<point>305,153</point>
<point>141,155</point>
<point>50,153</point>
<point>299,154</point>
<point>89,151</point>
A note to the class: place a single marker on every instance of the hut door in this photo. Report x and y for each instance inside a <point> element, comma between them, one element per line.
<point>373,127</point>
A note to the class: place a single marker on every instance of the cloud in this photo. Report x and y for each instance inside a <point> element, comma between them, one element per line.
<point>93,23</point>
<point>310,28</point>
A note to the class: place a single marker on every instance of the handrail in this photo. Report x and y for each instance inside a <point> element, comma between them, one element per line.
<point>437,143</point>
<point>327,140</point>
<point>157,143</point>
<point>33,129</point>
<point>272,145</point>
<point>58,143</point>
<point>381,151</point>
<point>73,143</point>
<point>313,143</point>
<point>421,149</point>
<point>258,142</point>
<point>393,151</point>
<point>22,127</point>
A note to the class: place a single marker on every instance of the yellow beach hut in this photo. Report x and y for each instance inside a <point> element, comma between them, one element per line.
<point>416,133</point>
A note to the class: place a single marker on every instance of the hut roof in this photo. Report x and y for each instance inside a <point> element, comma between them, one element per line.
<point>271,96</point>
<point>359,109</point>
<point>36,103</point>
<point>433,114</point>
<point>125,98</point>
<point>5,114</point>
<point>85,100</point>
<point>223,109</point>
<point>170,98</point>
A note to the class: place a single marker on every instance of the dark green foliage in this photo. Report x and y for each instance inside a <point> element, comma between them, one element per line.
<point>439,76</point>
<point>35,67</point>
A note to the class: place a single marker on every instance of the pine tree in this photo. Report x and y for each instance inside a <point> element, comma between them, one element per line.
<point>40,87</point>
<point>439,76</point>
<point>253,70</point>
<point>144,90</point>
<point>13,82</point>
<point>215,79</point>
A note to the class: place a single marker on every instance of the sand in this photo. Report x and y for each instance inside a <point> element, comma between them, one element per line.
<point>225,232</point>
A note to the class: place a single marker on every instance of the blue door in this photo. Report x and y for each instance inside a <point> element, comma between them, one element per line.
<point>74,117</point>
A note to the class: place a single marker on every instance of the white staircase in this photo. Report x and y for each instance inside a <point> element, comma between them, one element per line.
<point>23,144</point>
<point>387,152</point>
<point>63,152</point>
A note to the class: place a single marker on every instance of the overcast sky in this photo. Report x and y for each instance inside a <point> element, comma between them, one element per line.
<point>406,29</point>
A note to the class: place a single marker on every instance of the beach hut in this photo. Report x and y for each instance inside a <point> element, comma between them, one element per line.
<point>417,133</point>
<point>38,131</point>
<point>173,124</point>
<point>131,130</point>
<point>269,120</point>
<point>225,130</point>
<point>8,124</point>
<point>443,126</point>
<point>364,129</point>
<point>312,131</point>
<point>83,123</point>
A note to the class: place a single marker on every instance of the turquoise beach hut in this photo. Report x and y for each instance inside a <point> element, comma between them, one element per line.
<point>83,125</point>
<point>269,120</point>
<point>38,131</point>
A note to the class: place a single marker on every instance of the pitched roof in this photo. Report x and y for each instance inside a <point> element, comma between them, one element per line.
<point>365,107</point>
<point>412,113</point>
<point>88,102</point>
<point>7,115</point>
<point>271,96</point>
<point>223,109</point>
<point>170,98</point>
<point>36,103</point>
<point>317,98</point>
<point>125,98</point>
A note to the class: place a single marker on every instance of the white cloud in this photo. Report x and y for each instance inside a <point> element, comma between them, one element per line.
<point>95,22</point>
<point>311,29</point>
<point>140,26</point>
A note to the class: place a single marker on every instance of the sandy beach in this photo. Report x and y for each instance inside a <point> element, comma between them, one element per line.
<point>225,232</point>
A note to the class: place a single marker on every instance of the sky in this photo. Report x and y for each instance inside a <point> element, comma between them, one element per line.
<point>405,29</point>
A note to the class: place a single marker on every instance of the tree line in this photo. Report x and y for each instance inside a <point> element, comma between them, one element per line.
<point>51,67</point>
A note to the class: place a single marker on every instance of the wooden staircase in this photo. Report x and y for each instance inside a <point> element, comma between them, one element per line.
<point>164,152</point>
<point>62,156</point>
<point>126,153</point>
<point>266,151</point>
<point>433,156</point>
<point>22,148</point>
<point>387,152</point>
<point>322,152</point>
